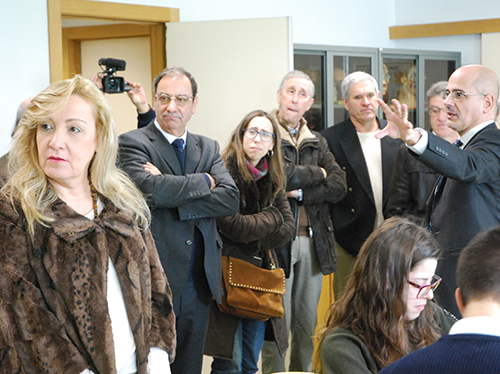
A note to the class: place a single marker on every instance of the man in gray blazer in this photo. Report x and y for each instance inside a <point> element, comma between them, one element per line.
<point>187,185</point>
<point>466,200</point>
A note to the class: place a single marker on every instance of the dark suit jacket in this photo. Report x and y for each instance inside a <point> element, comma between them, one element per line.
<point>469,202</point>
<point>354,216</point>
<point>180,202</point>
<point>411,186</point>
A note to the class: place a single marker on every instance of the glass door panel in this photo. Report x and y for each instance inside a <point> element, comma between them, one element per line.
<point>313,65</point>
<point>400,78</point>
<point>435,71</point>
<point>344,65</point>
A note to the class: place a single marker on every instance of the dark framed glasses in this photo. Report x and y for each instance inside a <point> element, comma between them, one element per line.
<point>425,289</point>
<point>251,133</point>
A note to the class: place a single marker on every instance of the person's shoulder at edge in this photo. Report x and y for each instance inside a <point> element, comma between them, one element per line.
<point>444,318</point>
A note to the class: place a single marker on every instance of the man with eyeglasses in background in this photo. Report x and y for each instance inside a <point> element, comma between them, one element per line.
<point>314,180</point>
<point>412,181</point>
<point>466,199</point>
<point>187,186</point>
<point>368,163</point>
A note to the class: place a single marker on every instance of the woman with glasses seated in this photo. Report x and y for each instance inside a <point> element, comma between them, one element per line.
<point>264,221</point>
<point>386,311</point>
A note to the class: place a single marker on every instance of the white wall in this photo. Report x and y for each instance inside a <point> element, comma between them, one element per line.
<point>410,12</point>
<point>24,58</point>
<point>315,21</point>
<point>24,39</point>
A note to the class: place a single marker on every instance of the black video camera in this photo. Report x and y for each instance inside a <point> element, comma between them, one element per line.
<point>110,83</point>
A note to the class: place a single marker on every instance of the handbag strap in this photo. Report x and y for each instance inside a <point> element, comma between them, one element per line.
<point>272,263</point>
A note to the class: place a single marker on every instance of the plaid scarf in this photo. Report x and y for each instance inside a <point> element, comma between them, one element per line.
<point>258,171</point>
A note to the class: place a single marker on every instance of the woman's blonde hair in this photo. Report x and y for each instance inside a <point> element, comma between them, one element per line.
<point>29,185</point>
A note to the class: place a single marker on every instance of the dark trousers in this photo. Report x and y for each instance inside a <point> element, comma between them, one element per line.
<point>248,342</point>
<point>192,312</point>
<point>191,325</point>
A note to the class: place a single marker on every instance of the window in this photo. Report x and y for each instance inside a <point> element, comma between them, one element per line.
<point>313,65</point>
<point>401,74</point>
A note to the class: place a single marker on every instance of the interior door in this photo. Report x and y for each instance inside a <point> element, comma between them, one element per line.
<point>238,65</point>
<point>135,51</point>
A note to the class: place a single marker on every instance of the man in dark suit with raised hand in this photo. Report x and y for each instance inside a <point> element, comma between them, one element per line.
<point>466,200</point>
<point>187,185</point>
<point>368,164</point>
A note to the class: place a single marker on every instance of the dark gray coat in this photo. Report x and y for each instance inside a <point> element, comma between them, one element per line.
<point>181,201</point>
<point>469,201</point>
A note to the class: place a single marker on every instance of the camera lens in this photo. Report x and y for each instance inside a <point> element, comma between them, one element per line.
<point>112,86</point>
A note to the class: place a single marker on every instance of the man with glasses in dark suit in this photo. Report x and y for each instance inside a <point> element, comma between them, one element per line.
<point>466,200</point>
<point>188,187</point>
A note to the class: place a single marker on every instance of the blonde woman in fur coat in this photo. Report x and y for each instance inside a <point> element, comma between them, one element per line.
<point>81,284</point>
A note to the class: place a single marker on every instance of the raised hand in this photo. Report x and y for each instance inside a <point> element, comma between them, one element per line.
<point>138,97</point>
<point>398,126</point>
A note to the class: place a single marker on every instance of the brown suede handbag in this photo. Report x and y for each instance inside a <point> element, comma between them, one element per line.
<point>251,292</point>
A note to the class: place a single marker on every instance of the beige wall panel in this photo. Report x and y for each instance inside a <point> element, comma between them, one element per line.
<point>136,52</point>
<point>490,53</point>
<point>238,66</point>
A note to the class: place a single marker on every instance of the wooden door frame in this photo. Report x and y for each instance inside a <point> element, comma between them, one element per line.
<point>445,29</point>
<point>64,45</point>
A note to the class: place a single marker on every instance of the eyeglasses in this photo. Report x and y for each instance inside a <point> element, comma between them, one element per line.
<point>180,100</point>
<point>300,94</point>
<point>459,94</point>
<point>251,133</point>
<point>425,289</point>
<point>434,110</point>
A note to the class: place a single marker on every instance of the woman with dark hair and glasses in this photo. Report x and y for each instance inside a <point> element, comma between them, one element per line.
<point>264,222</point>
<point>386,311</point>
